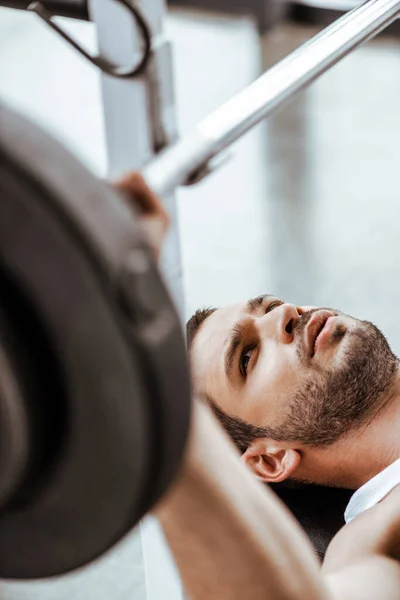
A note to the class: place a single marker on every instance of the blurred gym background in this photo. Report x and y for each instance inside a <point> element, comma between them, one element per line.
<point>307,206</point>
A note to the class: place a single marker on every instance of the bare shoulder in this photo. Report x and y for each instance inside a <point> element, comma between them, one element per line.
<point>374,532</point>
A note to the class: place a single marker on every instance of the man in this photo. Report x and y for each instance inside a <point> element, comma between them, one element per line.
<point>230,536</point>
<point>308,394</point>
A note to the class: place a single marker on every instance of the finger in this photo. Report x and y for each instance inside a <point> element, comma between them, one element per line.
<point>142,197</point>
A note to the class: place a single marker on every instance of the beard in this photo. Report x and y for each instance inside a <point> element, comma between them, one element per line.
<point>331,403</point>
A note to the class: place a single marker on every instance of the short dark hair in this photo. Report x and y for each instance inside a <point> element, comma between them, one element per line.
<point>241,432</point>
<point>195,322</point>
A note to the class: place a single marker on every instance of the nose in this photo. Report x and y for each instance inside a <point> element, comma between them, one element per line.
<point>287,317</point>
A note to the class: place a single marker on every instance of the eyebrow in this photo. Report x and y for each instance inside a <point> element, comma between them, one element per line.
<point>234,343</point>
<point>237,333</point>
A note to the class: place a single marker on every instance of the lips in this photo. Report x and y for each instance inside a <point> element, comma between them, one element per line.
<point>314,329</point>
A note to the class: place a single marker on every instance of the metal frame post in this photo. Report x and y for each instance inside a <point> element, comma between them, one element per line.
<point>139,120</point>
<point>139,113</point>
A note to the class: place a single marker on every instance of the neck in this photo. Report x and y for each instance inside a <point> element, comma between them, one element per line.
<point>363,453</point>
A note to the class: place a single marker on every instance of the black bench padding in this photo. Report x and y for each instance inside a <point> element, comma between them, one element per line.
<point>319,510</point>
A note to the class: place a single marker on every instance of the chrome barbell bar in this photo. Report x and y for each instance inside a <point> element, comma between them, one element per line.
<point>188,158</point>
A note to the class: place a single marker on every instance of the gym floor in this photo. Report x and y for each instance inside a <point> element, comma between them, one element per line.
<point>307,207</point>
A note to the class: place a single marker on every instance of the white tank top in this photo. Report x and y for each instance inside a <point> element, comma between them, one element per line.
<point>373,491</point>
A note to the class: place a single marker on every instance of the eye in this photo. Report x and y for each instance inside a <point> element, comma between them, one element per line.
<point>273,305</point>
<point>244,359</point>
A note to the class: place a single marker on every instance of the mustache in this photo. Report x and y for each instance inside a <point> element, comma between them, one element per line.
<point>302,321</point>
<point>306,316</point>
<point>301,324</point>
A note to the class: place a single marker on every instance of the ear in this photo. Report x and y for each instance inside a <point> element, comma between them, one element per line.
<point>271,461</point>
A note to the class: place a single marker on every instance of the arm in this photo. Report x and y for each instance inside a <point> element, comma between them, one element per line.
<point>363,560</point>
<point>374,577</point>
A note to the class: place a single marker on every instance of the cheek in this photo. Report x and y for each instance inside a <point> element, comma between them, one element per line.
<point>276,380</point>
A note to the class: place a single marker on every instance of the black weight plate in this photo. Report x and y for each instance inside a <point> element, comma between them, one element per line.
<point>75,254</point>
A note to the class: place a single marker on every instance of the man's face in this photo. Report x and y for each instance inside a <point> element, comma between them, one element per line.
<point>308,374</point>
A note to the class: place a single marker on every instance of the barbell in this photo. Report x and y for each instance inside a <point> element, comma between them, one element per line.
<point>94,387</point>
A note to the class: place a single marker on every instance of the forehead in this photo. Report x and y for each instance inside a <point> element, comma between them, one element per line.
<point>209,343</point>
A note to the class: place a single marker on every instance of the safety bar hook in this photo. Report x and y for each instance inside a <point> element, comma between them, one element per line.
<point>99,61</point>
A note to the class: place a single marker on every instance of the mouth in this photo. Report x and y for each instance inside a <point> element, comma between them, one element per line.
<point>316,329</point>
